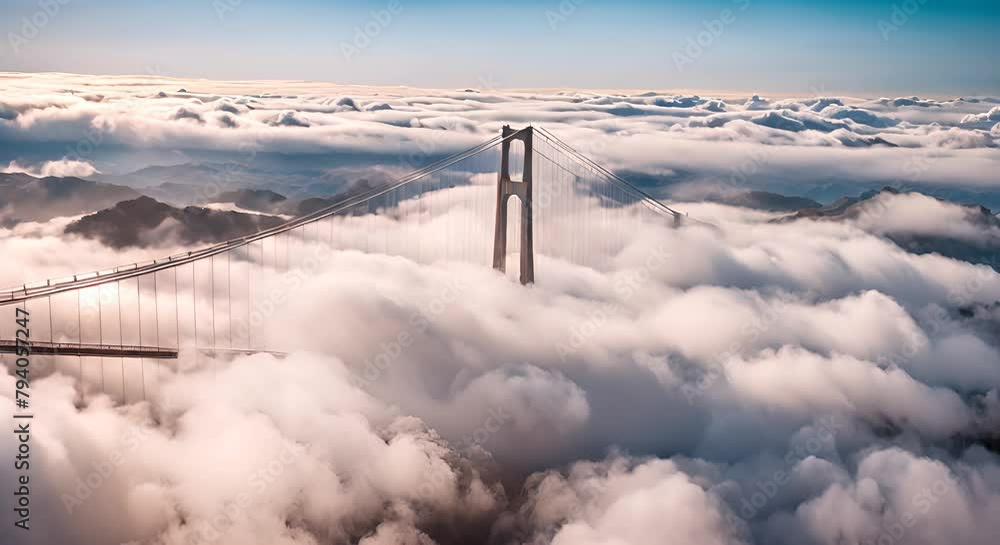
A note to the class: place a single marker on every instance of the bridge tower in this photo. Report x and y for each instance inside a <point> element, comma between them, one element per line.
<point>506,187</point>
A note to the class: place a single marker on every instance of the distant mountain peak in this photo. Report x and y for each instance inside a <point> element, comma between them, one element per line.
<point>144,221</point>
<point>26,198</point>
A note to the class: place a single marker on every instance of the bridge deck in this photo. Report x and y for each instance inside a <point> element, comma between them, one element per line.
<point>124,351</point>
<point>83,349</point>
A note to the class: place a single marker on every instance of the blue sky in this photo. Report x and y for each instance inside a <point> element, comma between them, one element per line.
<point>941,47</point>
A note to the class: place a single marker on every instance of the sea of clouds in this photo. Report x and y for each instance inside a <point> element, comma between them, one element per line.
<point>741,382</point>
<point>788,144</point>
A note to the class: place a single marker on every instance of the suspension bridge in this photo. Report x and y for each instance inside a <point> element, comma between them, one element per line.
<point>520,196</point>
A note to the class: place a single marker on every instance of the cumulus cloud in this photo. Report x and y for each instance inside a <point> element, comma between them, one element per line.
<point>62,168</point>
<point>186,113</point>
<point>915,213</point>
<point>983,120</point>
<point>183,472</point>
<point>909,101</point>
<point>290,119</point>
<point>860,115</point>
<point>756,103</point>
<point>621,501</point>
<point>715,106</point>
<point>226,106</point>
<point>823,334</point>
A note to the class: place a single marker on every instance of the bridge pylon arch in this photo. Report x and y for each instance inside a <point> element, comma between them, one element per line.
<point>507,187</point>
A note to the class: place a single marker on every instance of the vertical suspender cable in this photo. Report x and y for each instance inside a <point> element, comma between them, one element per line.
<point>194,304</point>
<point>229,294</point>
<point>214,346</point>
<point>248,299</point>
<point>177,314</point>
<point>156,327</point>
<point>51,330</point>
<point>100,331</point>
<point>121,334</point>
<point>156,308</point>
<point>261,272</point>
<point>142,361</point>
<point>79,334</point>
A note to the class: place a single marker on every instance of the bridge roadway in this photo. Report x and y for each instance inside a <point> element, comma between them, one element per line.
<point>120,351</point>
<point>85,349</point>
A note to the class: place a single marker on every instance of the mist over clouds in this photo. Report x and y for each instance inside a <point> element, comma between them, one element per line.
<point>790,145</point>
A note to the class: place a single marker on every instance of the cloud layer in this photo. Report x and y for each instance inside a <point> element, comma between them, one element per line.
<point>782,383</point>
<point>735,140</point>
<point>745,382</point>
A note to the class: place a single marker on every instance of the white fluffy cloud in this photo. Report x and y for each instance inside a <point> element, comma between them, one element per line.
<point>60,169</point>
<point>914,213</point>
<point>770,339</point>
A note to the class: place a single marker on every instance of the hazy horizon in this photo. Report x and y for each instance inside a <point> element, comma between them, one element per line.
<point>875,47</point>
<point>487,85</point>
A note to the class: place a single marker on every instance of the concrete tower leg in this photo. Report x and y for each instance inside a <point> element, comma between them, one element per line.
<point>506,187</point>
